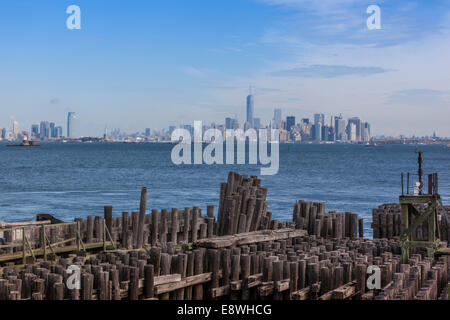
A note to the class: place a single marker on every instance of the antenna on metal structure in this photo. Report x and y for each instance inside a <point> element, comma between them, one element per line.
<point>420,170</point>
<point>408,231</point>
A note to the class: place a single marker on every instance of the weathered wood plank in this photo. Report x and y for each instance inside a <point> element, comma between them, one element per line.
<point>250,237</point>
<point>186,282</point>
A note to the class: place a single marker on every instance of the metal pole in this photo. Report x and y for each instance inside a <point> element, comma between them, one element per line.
<point>104,236</point>
<point>407,184</point>
<point>402,185</point>
<point>23,248</point>
<point>78,235</point>
<point>436,184</point>
<point>45,242</point>
<point>430,184</point>
<point>420,172</point>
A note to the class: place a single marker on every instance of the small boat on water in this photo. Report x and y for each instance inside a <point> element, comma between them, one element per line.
<point>26,143</point>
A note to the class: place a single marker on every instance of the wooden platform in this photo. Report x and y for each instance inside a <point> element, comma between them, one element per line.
<point>250,237</point>
<point>40,252</point>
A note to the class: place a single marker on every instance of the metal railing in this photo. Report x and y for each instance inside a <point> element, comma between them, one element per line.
<point>432,184</point>
<point>46,245</point>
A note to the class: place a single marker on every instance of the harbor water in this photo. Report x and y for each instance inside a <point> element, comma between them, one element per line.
<point>72,180</point>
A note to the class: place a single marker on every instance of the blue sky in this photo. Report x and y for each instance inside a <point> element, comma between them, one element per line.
<point>137,64</point>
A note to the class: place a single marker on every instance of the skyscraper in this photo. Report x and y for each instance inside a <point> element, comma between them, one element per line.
<point>319,120</point>
<point>352,134</point>
<point>228,123</point>
<point>147,132</point>
<point>340,129</point>
<point>365,132</point>
<point>52,132</point>
<point>3,134</point>
<point>70,124</point>
<point>15,130</point>
<point>234,124</point>
<point>44,130</point>
<point>277,119</point>
<point>290,122</point>
<point>326,133</point>
<point>35,130</point>
<point>357,122</point>
<point>250,109</point>
<point>256,123</point>
<point>58,132</point>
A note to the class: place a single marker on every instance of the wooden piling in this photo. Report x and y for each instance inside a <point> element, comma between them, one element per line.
<point>195,218</point>
<point>174,227</point>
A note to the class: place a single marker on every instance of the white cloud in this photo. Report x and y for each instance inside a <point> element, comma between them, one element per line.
<point>328,71</point>
<point>194,72</point>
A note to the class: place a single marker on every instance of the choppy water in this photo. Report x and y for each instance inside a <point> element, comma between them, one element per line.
<point>77,180</point>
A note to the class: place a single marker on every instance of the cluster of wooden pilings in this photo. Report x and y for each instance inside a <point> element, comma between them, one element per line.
<point>157,227</point>
<point>245,255</point>
<point>242,206</point>
<point>281,264</point>
<point>386,222</point>
<point>311,216</point>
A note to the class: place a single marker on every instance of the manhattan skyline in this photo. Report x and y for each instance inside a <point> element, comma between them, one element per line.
<point>161,64</point>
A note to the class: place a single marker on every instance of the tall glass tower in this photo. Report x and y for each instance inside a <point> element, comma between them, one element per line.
<point>70,124</point>
<point>277,118</point>
<point>319,120</point>
<point>250,109</point>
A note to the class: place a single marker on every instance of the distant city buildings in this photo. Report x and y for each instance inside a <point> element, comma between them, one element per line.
<point>44,131</point>
<point>333,129</point>
<point>319,129</point>
<point>336,129</point>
